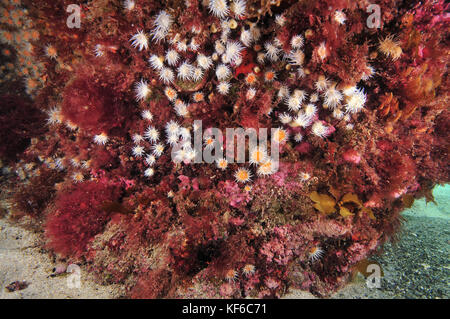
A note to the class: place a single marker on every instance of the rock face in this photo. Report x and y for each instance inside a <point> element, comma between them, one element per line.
<point>132,172</point>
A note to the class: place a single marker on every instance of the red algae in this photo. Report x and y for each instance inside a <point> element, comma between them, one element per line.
<point>101,128</point>
<point>78,216</point>
<point>92,107</point>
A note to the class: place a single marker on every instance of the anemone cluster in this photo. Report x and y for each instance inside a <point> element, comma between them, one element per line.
<point>100,125</point>
<point>18,36</point>
<point>186,62</point>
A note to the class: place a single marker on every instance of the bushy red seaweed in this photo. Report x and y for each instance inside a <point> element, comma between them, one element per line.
<point>78,216</point>
<point>92,107</point>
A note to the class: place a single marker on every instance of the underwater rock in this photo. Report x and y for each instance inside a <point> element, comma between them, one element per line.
<point>131,111</point>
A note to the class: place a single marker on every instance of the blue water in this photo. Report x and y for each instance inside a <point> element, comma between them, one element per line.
<point>440,209</point>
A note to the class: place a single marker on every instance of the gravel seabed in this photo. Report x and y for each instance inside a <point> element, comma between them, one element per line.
<point>415,267</point>
<point>418,265</point>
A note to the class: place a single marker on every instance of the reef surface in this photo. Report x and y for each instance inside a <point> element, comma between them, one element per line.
<point>110,112</point>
